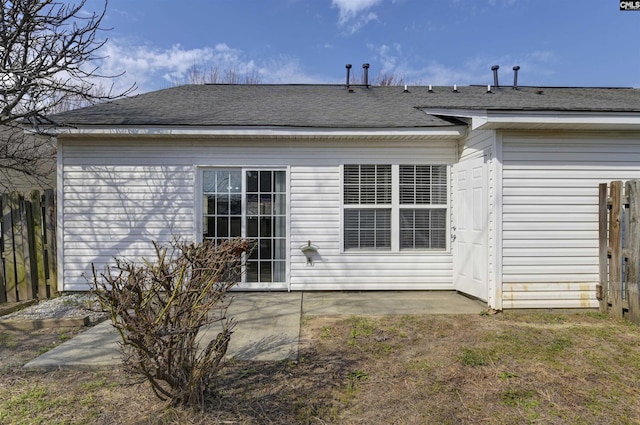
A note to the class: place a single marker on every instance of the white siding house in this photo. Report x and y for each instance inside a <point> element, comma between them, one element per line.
<point>493,195</point>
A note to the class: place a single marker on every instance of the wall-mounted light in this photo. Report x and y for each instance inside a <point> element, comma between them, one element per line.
<point>309,250</point>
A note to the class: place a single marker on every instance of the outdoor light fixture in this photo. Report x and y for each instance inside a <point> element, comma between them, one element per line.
<point>309,250</point>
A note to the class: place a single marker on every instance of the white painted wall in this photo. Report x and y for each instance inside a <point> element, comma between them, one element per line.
<point>550,213</point>
<point>118,196</point>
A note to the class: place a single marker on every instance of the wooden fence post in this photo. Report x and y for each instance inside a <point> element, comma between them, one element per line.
<point>602,291</point>
<point>26,221</point>
<point>615,246</point>
<point>50,239</point>
<point>9,258</point>
<point>633,250</point>
<point>38,246</point>
<point>3,280</point>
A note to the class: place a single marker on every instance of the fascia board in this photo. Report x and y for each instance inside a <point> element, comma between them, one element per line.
<point>449,131</point>
<point>496,119</point>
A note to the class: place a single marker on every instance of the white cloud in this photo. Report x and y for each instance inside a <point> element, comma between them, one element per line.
<point>354,14</point>
<point>350,9</point>
<point>155,68</point>
<point>393,61</point>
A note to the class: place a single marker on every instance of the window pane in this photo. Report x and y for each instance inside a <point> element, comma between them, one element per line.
<point>235,182</point>
<point>265,227</point>
<point>406,239</point>
<point>423,228</point>
<point>423,184</point>
<point>209,181</point>
<point>280,181</point>
<point>222,227</point>
<point>252,271</point>
<point>265,249</point>
<point>236,227</point>
<point>280,229</point>
<point>235,204</point>
<point>209,204</point>
<point>367,228</point>
<point>252,227</point>
<point>367,184</point>
<point>209,230</point>
<point>280,204</point>
<point>279,271</point>
<point>351,194</point>
<point>265,271</point>
<point>265,181</point>
<point>280,249</point>
<point>222,204</point>
<point>266,204</point>
<point>252,181</point>
<point>252,204</point>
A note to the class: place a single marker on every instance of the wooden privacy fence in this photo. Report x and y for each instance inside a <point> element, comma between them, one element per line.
<point>619,228</point>
<point>28,246</point>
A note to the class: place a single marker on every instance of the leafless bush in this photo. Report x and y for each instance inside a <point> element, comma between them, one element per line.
<point>159,307</point>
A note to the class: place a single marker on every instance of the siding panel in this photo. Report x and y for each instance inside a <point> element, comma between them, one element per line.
<point>121,195</point>
<point>550,214</point>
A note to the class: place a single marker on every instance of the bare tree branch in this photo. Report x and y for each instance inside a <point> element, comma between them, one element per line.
<point>49,56</point>
<point>196,74</point>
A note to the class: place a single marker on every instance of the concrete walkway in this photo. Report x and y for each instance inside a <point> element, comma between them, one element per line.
<point>268,326</point>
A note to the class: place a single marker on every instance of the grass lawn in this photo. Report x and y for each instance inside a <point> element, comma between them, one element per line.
<point>494,369</point>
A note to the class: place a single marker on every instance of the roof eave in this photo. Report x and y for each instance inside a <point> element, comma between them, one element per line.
<point>453,131</point>
<point>495,119</point>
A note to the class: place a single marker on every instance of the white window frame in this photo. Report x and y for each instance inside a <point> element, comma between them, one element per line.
<point>395,211</point>
<point>199,211</point>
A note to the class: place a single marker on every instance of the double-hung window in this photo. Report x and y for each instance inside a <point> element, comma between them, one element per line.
<point>395,207</point>
<point>367,207</point>
<point>251,204</point>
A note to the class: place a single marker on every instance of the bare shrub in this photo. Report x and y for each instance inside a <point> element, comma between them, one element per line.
<point>159,307</point>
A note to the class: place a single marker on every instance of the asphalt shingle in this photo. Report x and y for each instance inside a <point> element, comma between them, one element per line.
<point>333,106</point>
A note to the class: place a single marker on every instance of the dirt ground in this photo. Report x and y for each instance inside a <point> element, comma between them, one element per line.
<point>484,369</point>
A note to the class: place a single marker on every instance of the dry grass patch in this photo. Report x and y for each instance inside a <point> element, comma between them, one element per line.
<point>503,369</point>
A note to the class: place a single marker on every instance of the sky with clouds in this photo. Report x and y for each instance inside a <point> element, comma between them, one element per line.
<point>439,42</point>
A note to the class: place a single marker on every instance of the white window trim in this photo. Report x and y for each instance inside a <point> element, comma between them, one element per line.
<point>198,219</point>
<point>395,211</point>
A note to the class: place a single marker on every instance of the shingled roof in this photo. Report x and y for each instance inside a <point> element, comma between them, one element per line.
<point>333,106</point>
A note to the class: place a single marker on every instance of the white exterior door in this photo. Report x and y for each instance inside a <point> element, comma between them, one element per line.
<point>470,228</point>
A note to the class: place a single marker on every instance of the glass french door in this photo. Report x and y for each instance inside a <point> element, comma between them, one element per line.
<point>251,204</point>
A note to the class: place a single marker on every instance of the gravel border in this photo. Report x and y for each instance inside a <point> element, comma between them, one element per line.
<point>66,306</point>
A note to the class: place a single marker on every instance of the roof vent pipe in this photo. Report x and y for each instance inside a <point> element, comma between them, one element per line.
<point>515,77</point>
<point>348,66</point>
<point>495,68</point>
<point>365,67</point>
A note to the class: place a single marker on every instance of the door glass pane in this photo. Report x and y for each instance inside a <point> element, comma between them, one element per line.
<point>265,271</point>
<point>279,249</point>
<point>279,270</point>
<point>279,229</point>
<point>252,227</point>
<point>280,204</point>
<point>265,227</point>
<point>266,203</point>
<point>252,204</point>
<point>252,181</point>
<point>266,223</point>
<point>252,271</point>
<point>222,204</point>
<point>262,218</point>
<point>265,181</point>
<point>280,182</point>
<point>222,227</point>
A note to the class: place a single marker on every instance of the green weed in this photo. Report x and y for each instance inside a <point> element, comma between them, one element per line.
<point>7,340</point>
<point>326,332</point>
<point>472,358</point>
